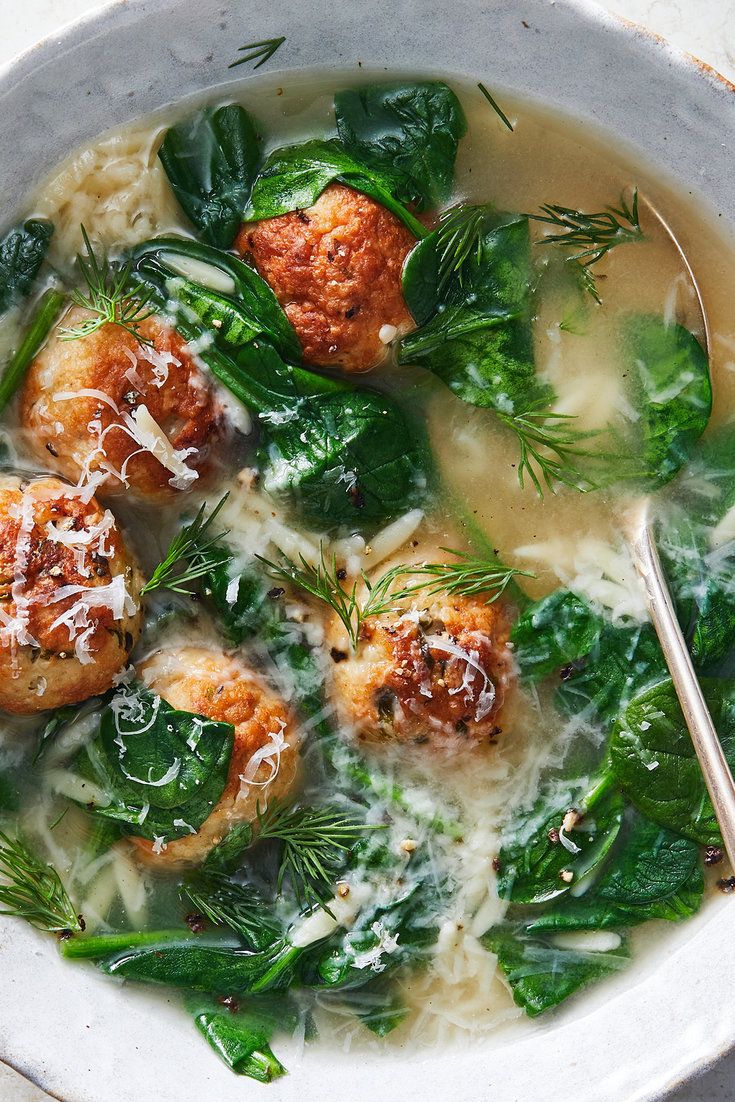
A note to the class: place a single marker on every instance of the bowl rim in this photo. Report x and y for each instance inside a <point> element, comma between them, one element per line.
<point>106,18</point>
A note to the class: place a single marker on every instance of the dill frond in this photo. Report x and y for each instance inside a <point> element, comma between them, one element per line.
<point>549,449</point>
<point>258,51</point>
<point>496,107</point>
<point>113,295</point>
<point>315,841</point>
<point>591,236</point>
<point>225,903</point>
<point>466,577</point>
<point>32,889</point>
<point>191,554</point>
<point>458,238</point>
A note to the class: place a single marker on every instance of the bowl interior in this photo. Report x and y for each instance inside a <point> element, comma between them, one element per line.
<point>635,1035</point>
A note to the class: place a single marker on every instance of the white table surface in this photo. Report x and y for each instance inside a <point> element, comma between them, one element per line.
<point>705,28</point>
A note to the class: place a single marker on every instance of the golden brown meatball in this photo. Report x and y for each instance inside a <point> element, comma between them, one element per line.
<point>69,597</point>
<point>264,757</point>
<point>107,404</point>
<point>437,674</point>
<point>336,270</point>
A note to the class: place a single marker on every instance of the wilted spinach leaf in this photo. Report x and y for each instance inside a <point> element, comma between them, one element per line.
<point>211,160</point>
<point>475,331</point>
<point>392,929</point>
<point>9,793</point>
<point>243,607</point>
<point>699,550</point>
<point>603,664</point>
<point>242,1037</point>
<point>21,254</point>
<point>651,874</point>
<point>672,393</point>
<point>251,312</point>
<point>541,975</point>
<point>653,758</point>
<point>379,1006</point>
<point>537,849</point>
<point>60,720</point>
<point>621,662</point>
<point>214,969</point>
<point>294,177</point>
<point>552,633</point>
<point>162,769</point>
<point>335,453</point>
<point>410,132</point>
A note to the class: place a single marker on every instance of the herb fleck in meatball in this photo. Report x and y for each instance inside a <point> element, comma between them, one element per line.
<point>436,674</point>
<point>336,270</point>
<point>69,597</point>
<point>264,757</point>
<point>107,408</point>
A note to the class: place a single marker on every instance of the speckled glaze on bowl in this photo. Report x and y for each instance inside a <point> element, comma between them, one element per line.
<point>73,1032</point>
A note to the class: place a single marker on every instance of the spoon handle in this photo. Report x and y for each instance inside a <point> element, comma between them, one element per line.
<point>716,771</point>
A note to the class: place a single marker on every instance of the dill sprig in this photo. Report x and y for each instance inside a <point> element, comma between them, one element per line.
<point>226,903</point>
<point>33,890</point>
<point>258,51</point>
<point>315,841</point>
<point>591,236</point>
<point>549,448</point>
<point>467,577</point>
<point>192,553</point>
<point>113,295</point>
<point>458,238</point>
<point>496,107</point>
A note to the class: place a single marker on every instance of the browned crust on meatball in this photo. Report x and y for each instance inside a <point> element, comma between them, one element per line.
<point>336,270</point>
<point>218,686</point>
<point>34,568</point>
<point>439,675</point>
<point>64,433</point>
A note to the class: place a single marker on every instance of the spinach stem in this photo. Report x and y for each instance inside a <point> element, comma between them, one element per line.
<point>47,310</point>
<point>603,785</point>
<point>104,945</point>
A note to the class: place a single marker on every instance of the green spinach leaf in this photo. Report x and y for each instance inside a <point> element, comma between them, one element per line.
<point>410,132</point>
<point>294,177</point>
<point>541,974</point>
<point>653,758</point>
<point>211,160</point>
<point>243,608</point>
<point>672,392</point>
<point>214,969</point>
<point>553,633</point>
<point>542,858</point>
<point>241,1036</point>
<point>475,331</point>
<point>251,311</point>
<point>335,453</point>
<point>45,314</point>
<point>652,874</point>
<point>9,793</point>
<point>386,934</point>
<point>602,665</point>
<point>22,251</point>
<point>161,769</point>
<point>619,664</point>
<point>699,554</point>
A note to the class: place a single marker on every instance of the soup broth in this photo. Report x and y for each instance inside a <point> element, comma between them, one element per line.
<point>452,845</point>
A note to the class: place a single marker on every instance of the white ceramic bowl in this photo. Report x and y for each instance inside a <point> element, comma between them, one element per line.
<point>73,1031</point>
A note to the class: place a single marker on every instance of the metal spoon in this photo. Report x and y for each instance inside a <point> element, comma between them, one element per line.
<point>716,771</point>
